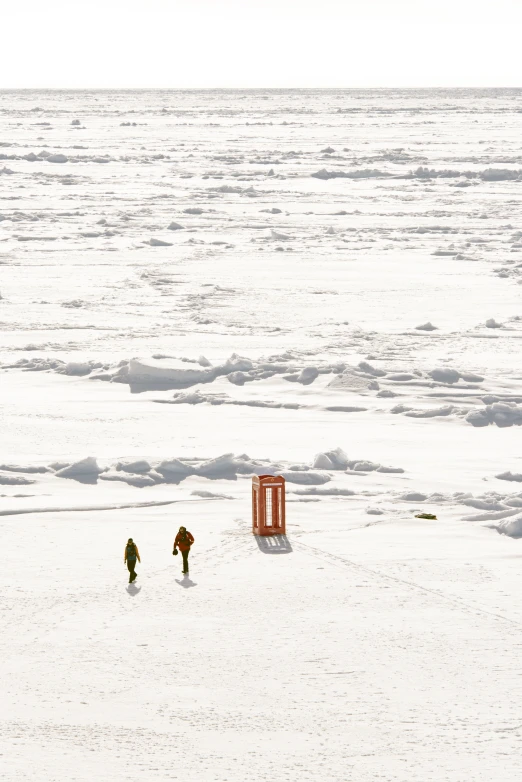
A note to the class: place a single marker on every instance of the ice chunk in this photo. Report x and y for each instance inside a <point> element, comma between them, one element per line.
<point>159,243</point>
<point>350,380</point>
<point>511,527</point>
<point>436,412</point>
<point>225,466</point>
<point>77,368</point>
<point>174,470</point>
<point>510,476</point>
<point>8,479</point>
<point>236,364</point>
<point>194,398</point>
<point>323,462</point>
<point>239,378</point>
<point>31,469</point>
<point>140,481</point>
<point>308,375</point>
<point>333,492</point>
<point>139,466</point>
<point>174,374</point>
<point>84,471</point>
<point>478,418</point>
<point>365,466</point>
<point>338,459</point>
<point>500,174</point>
<point>359,173</point>
<point>279,236</point>
<point>502,414</point>
<point>369,370</point>
<point>445,375</point>
<point>57,158</point>
<point>310,477</point>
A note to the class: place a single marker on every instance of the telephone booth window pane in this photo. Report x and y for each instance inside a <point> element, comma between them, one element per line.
<point>279,517</point>
<point>268,507</point>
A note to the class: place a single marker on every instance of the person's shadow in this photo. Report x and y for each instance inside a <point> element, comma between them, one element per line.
<point>133,590</point>
<point>185,582</point>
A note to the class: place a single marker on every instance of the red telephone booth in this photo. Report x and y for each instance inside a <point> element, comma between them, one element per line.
<point>268,505</point>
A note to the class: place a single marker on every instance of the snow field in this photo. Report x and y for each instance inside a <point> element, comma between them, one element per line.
<point>184,303</point>
<point>402,636</point>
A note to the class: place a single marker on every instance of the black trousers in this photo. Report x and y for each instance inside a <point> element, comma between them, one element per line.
<point>185,554</point>
<point>131,564</point>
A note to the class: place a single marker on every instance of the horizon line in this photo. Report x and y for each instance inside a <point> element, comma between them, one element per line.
<point>253,89</point>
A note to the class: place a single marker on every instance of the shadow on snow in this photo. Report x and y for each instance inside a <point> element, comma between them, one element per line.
<point>274,544</point>
<point>185,582</point>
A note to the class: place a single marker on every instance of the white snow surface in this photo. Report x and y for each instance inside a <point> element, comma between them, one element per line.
<point>198,287</point>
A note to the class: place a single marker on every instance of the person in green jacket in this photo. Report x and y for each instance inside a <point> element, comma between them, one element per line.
<point>131,555</point>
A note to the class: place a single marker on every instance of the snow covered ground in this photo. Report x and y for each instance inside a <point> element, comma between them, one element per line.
<point>198,287</point>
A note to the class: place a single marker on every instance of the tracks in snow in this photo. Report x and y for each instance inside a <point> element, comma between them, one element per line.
<point>238,544</point>
<point>456,601</point>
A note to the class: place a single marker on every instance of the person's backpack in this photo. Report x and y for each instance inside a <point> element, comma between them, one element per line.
<point>131,551</point>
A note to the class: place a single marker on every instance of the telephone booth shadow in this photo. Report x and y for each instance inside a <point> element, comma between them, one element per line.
<point>274,544</point>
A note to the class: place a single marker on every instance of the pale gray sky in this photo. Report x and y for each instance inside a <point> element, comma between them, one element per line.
<point>260,43</point>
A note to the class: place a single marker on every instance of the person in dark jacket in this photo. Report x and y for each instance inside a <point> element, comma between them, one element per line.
<point>184,540</point>
<point>131,555</point>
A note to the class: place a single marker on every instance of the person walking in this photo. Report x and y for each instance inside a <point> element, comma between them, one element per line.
<point>131,555</point>
<point>184,540</point>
